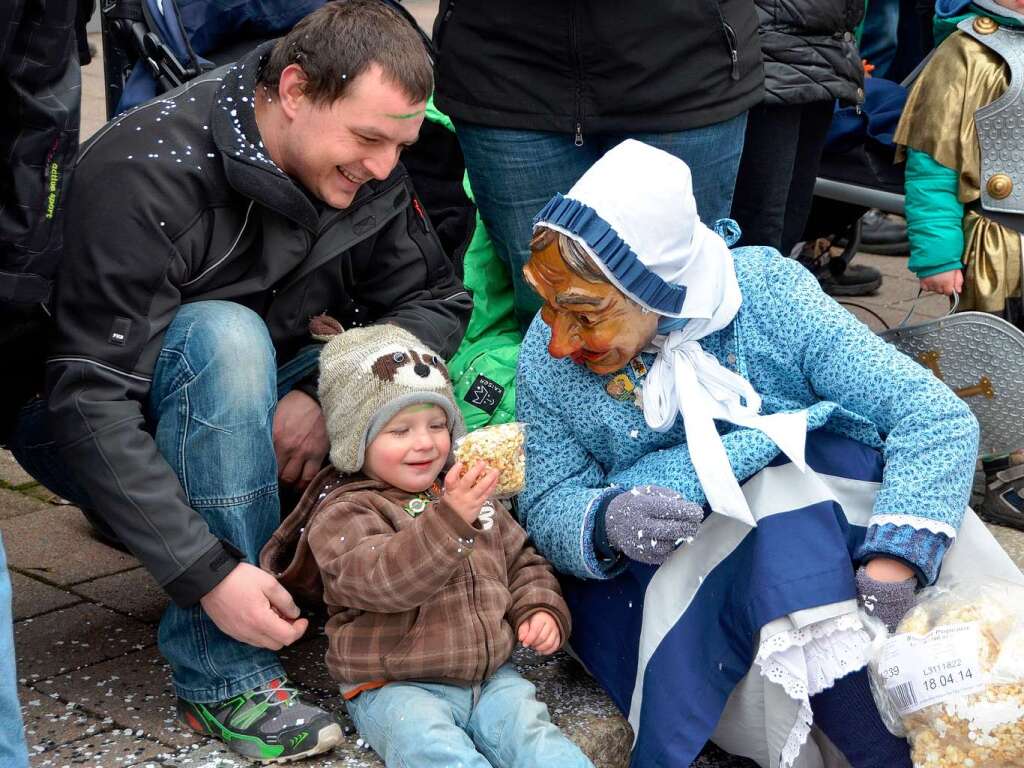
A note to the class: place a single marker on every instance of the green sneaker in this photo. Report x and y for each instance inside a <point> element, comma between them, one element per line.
<point>269,725</point>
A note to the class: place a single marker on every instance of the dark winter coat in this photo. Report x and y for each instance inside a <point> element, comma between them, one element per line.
<point>584,66</point>
<point>173,203</point>
<point>809,51</point>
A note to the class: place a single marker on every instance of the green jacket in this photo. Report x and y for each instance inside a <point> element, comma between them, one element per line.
<point>483,368</point>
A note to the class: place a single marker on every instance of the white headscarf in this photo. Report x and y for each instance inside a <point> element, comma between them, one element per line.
<point>634,212</point>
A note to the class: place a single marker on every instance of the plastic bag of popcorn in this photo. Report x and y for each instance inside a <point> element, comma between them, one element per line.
<point>500,447</point>
<point>951,678</point>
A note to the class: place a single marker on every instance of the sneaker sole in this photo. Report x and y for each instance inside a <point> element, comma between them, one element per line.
<point>326,739</point>
<point>244,745</point>
<point>1005,520</point>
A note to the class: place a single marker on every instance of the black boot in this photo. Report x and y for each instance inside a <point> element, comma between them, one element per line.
<point>835,273</point>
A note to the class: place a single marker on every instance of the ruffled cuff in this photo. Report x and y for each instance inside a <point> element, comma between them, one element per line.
<point>919,548</point>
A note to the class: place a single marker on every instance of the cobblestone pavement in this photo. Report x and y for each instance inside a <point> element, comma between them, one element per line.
<point>93,687</point>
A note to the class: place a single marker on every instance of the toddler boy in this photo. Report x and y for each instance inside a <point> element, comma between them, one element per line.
<point>428,581</point>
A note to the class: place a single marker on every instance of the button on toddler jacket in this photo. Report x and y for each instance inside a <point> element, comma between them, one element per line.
<point>429,597</point>
<point>177,202</point>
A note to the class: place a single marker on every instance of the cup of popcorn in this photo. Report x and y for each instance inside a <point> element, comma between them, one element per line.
<point>951,678</point>
<point>500,447</point>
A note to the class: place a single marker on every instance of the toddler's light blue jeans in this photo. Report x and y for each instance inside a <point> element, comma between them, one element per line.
<point>498,724</point>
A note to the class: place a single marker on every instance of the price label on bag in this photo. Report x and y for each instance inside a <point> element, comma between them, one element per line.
<point>920,670</point>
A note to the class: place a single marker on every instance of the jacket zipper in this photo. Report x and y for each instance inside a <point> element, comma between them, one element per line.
<point>480,621</point>
<point>734,54</point>
<point>578,72</point>
<point>449,9</point>
<point>730,40</point>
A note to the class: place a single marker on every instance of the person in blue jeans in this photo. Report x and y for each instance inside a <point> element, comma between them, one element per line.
<point>204,228</point>
<point>539,91</point>
<point>13,753</point>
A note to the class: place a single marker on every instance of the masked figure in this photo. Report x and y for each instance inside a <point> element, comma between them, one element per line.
<point>720,459</point>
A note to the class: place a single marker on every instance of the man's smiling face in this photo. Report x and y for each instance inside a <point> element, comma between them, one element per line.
<point>333,149</point>
<point>592,323</point>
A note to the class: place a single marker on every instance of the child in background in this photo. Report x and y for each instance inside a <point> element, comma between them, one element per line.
<point>428,581</point>
<point>962,133</point>
<point>962,180</point>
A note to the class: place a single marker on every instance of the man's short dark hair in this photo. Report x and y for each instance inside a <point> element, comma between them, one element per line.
<point>340,40</point>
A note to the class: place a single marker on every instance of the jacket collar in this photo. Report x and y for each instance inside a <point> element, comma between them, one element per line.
<point>247,164</point>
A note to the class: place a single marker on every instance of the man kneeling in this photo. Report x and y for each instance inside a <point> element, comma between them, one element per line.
<point>204,229</point>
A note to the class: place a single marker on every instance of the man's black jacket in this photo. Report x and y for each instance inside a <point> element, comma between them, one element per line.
<point>579,66</point>
<point>177,202</point>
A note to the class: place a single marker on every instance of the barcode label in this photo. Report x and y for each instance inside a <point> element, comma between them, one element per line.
<point>903,696</point>
<point>921,670</point>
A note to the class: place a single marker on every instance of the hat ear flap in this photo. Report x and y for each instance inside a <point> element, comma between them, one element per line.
<point>324,327</point>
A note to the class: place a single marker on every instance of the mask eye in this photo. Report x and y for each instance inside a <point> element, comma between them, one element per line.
<point>435,361</point>
<point>398,357</point>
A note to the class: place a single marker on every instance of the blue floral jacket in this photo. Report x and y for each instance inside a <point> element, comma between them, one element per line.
<point>799,349</point>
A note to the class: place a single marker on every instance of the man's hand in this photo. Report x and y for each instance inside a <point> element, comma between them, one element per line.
<point>300,439</point>
<point>946,283</point>
<point>252,607</point>
<point>540,632</point>
<point>467,493</point>
<point>648,522</point>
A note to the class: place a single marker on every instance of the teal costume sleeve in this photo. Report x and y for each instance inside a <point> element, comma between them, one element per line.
<point>934,216</point>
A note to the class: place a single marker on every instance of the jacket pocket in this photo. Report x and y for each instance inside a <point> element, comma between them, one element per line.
<point>444,16</point>
<point>731,41</point>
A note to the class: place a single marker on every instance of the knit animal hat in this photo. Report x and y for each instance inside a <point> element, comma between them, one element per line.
<point>369,374</point>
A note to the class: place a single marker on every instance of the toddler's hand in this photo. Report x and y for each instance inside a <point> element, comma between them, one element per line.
<point>466,493</point>
<point>541,633</point>
<point>946,283</point>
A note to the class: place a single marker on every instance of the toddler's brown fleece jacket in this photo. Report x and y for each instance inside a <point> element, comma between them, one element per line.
<point>411,596</point>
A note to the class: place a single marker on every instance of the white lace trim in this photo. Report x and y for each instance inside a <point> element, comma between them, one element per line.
<point>917,523</point>
<point>806,661</point>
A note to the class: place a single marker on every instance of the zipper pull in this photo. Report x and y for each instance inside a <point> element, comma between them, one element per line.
<point>419,212</point>
<point>730,38</point>
<point>579,135</point>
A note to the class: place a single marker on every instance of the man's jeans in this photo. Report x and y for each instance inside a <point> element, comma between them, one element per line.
<point>499,723</point>
<point>514,173</point>
<point>13,753</point>
<point>211,406</point>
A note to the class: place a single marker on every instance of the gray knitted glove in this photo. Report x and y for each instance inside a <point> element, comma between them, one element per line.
<point>650,521</point>
<point>887,601</point>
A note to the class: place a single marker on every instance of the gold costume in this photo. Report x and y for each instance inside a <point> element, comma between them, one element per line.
<point>938,118</point>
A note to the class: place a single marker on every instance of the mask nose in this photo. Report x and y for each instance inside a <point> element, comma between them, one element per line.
<point>421,370</point>
<point>564,339</point>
